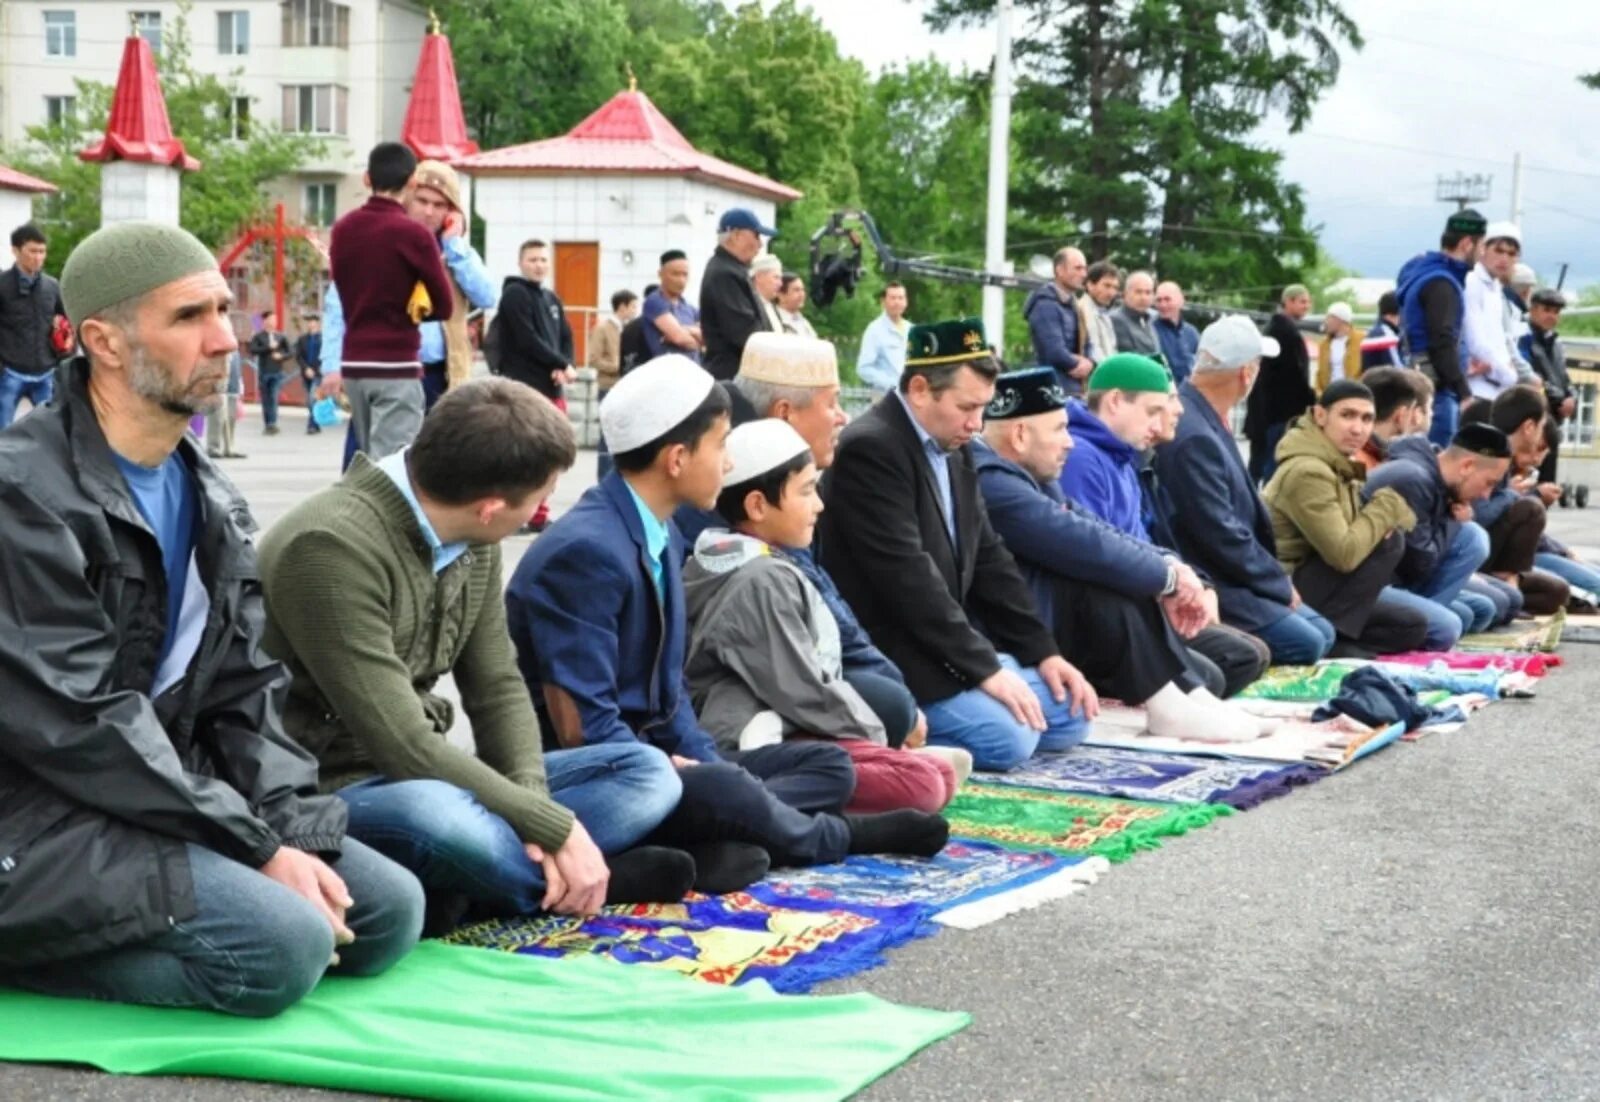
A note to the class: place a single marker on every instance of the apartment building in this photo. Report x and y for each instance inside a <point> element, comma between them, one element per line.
<point>341,71</point>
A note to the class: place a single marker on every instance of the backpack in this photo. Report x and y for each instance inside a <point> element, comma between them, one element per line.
<point>633,350</point>
<point>493,350</point>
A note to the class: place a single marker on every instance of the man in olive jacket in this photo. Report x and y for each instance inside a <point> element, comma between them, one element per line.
<point>161,838</point>
<point>1341,552</point>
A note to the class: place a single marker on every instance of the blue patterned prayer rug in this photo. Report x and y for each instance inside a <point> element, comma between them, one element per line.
<point>1150,775</point>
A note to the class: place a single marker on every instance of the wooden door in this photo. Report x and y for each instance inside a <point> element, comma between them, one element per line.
<point>577,275</point>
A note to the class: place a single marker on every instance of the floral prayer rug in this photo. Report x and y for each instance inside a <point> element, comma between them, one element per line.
<point>1167,778</point>
<point>1534,665</point>
<point>969,884</point>
<point>725,939</point>
<point>1071,823</point>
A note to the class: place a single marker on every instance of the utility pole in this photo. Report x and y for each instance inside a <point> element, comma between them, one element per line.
<point>1516,189</point>
<point>994,251</point>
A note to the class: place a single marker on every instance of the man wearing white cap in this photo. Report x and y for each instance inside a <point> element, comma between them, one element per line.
<point>1491,368</point>
<point>766,276</point>
<point>1221,525</point>
<point>1339,351</point>
<point>597,612</point>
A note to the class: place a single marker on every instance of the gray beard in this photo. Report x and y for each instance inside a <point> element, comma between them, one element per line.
<point>152,383</point>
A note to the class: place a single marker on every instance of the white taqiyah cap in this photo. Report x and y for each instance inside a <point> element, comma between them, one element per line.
<point>1231,342</point>
<point>1523,276</point>
<point>652,400</point>
<point>1507,230</point>
<point>786,359</point>
<point>1340,310</point>
<point>766,262</point>
<point>757,447</point>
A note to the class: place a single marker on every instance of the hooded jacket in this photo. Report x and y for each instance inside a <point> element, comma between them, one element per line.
<point>764,659</point>
<point>537,338</point>
<point>1102,473</point>
<point>1315,499</point>
<point>1431,288</point>
<point>1059,338</point>
<point>1412,471</point>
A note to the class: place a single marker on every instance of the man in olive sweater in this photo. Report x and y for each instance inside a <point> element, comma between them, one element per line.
<point>390,579</point>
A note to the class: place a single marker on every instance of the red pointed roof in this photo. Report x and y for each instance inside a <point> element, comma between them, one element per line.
<point>435,127</point>
<point>139,129</point>
<point>12,180</point>
<point>628,135</point>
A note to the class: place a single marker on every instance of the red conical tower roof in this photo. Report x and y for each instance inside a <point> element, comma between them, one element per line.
<point>435,127</point>
<point>139,129</point>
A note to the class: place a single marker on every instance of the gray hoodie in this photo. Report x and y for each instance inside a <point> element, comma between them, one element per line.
<point>763,660</point>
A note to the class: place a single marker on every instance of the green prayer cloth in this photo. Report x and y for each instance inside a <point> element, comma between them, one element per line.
<point>462,1024</point>
<point>1070,822</point>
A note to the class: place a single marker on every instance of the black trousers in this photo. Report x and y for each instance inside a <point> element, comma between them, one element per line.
<point>893,703</point>
<point>1514,538</point>
<point>786,799</point>
<point>1123,645</point>
<point>1228,659</point>
<point>1353,605</point>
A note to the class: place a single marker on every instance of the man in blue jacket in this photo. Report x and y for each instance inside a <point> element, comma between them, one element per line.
<point>1431,288</point>
<point>1116,605</point>
<point>1059,340</point>
<point>1179,340</point>
<point>1221,524</point>
<point>596,610</point>
<point>1111,431</point>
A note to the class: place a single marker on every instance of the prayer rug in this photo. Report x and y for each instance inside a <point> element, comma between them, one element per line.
<point>1167,778</point>
<point>969,884</point>
<point>461,1026</point>
<point>724,939</point>
<point>1306,684</point>
<point>1534,665</point>
<point>1331,744</point>
<point>1068,822</point>
<point>1540,637</point>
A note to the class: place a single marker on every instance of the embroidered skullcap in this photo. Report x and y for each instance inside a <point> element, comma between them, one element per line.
<point>1467,222</point>
<point>784,359</point>
<point>1026,393</point>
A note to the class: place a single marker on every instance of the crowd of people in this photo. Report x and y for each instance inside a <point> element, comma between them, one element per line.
<point>765,637</point>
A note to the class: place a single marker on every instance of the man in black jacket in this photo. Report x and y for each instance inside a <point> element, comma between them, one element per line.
<point>730,309</point>
<point>907,538</point>
<point>30,302</point>
<point>161,838</point>
<point>1283,389</point>
<point>537,341</point>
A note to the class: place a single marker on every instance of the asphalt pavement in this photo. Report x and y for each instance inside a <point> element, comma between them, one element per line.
<point>1420,926</point>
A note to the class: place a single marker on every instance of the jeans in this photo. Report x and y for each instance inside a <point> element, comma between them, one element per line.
<point>1446,418</point>
<point>977,722</point>
<point>435,381</point>
<point>891,701</point>
<point>1573,572</point>
<point>253,948</point>
<point>16,385</point>
<point>269,386</point>
<point>619,792</point>
<point>1505,597</point>
<point>1466,553</point>
<point>1299,639</point>
<point>1445,624</point>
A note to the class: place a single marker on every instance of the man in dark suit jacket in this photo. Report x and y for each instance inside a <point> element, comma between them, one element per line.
<point>907,539</point>
<point>1221,525</point>
<point>1283,392</point>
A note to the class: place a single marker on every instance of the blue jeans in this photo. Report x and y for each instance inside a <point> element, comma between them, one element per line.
<point>1445,623</point>
<point>619,791</point>
<point>977,722</point>
<point>1505,599</point>
<point>253,948</point>
<point>16,385</point>
<point>1467,552</point>
<point>1299,639</point>
<point>1571,571</point>
<point>269,385</point>
<point>1446,418</point>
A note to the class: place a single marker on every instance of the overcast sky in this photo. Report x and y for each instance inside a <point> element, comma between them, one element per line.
<point>1441,86</point>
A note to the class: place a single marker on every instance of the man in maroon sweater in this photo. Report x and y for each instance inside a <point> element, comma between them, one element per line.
<point>379,254</point>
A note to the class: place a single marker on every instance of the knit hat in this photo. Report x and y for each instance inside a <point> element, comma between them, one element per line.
<point>1503,231</point>
<point>1482,439</point>
<point>1026,393</point>
<point>784,359</point>
<point>652,400</point>
<point>1467,222</point>
<point>1342,389</point>
<point>125,260</point>
<point>1133,372</point>
<point>441,178</point>
<point>756,447</point>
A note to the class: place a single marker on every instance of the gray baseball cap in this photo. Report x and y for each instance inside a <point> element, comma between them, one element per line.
<point>1234,341</point>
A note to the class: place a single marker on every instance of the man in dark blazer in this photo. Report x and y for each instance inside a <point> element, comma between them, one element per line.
<point>1283,391</point>
<point>907,539</point>
<point>1221,525</point>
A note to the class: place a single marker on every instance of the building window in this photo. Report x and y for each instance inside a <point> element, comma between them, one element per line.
<point>148,26</point>
<point>60,34</point>
<point>316,23</point>
<point>233,32</point>
<point>59,110</point>
<point>239,118</point>
<point>321,203</point>
<point>316,108</point>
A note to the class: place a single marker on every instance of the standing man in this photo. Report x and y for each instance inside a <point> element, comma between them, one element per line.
<point>908,540</point>
<point>221,423</point>
<point>1179,340</point>
<point>1131,320</point>
<point>435,200</point>
<point>883,346</point>
<point>791,303</point>
<point>308,357</point>
<point>30,303</point>
<point>670,321</point>
<point>1381,348</point>
<point>1339,350</point>
<point>271,349</point>
<point>1543,349</point>
<point>537,342</point>
<point>1283,391</point>
<point>379,255</point>
<point>1094,309</point>
<point>1491,369</point>
<point>605,340</point>
<point>766,275</point>
<point>1431,288</point>
<point>1060,340</point>
<point>730,308</point>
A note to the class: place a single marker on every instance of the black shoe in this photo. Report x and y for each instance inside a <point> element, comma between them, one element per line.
<point>1565,499</point>
<point>1581,496</point>
<point>313,429</point>
<point>650,874</point>
<point>914,833</point>
<point>444,912</point>
<point>727,866</point>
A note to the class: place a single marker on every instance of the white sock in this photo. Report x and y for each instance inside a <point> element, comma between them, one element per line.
<point>960,760</point>
<point>1199,716</point>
